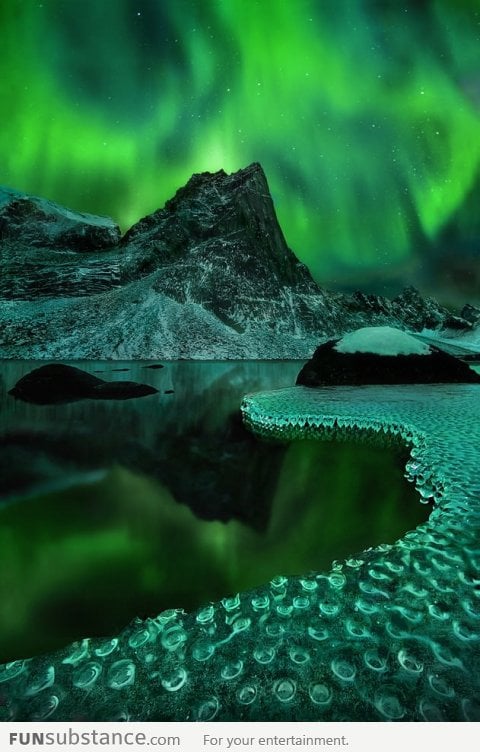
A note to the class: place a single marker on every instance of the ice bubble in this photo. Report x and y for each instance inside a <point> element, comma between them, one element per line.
<point>285,689</point>
<point>121,674</point>
<point>86,675</point>
<point>175,679</point>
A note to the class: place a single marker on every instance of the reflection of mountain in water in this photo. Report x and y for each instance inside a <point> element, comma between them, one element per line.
<point>218,475</point>
<point>89,559</point>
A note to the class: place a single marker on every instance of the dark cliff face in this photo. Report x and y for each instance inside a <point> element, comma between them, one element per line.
<point>227,213</point>
<point>208,276</point>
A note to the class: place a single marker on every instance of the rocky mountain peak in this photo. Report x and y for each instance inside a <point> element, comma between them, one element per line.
<point>235,208</point>
<point>204,195</point>
<point>419,312</point>
<point>220,183</point>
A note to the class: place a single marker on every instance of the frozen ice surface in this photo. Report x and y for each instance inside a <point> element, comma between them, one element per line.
<point>381,340</point>
<point>392,633</point>
<point>469,340</point>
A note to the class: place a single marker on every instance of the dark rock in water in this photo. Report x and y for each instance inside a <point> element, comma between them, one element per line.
<point>155,366</point>
<point>120,390</point>
<point>57,383</point>
<point>382,355</point>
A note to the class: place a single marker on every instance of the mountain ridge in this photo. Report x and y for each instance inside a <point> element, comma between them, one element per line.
<point>209,275</point>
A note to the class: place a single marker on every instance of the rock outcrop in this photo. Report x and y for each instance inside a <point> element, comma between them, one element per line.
<point>39,223</point>
<point>471,313</point>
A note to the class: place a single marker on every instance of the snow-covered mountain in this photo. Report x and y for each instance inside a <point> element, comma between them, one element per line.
<point>208,276</point>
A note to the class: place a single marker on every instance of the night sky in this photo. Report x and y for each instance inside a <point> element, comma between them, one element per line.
<point>364,114</point>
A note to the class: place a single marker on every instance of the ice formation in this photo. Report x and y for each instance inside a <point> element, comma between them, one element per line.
<point>381,340</point>
<point>391,633</point>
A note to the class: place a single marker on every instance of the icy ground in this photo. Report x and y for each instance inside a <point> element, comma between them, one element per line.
<point>392,633</point>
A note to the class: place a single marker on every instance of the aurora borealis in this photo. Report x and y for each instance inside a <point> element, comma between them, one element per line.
<point>364,114</point>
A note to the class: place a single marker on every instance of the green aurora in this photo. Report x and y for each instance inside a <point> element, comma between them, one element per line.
<point>364,114</point>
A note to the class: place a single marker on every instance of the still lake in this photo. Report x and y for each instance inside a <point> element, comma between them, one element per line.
<point>117,509</point>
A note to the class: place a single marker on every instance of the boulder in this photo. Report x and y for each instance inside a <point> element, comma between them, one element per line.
<point>382,355</point>
<point>57,383</point>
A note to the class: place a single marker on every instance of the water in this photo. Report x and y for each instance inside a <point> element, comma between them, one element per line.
<point>120,509</point>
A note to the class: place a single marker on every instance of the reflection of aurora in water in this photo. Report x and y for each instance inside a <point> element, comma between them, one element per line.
<point>390,634</point>
<point>369,135</point>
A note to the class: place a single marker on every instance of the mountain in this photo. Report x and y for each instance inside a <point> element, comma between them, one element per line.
<point>50,251</point>
<point>208,276</point>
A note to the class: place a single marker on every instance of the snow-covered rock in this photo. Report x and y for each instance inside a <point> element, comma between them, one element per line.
<point>382,355</point>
